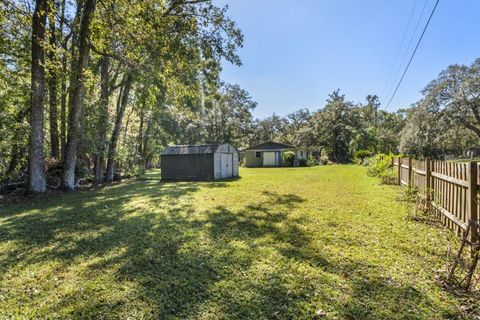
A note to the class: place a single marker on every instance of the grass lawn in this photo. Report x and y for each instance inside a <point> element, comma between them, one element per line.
<point>274,244</point>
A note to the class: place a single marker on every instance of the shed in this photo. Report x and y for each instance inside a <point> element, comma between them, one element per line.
<point>199,162</point>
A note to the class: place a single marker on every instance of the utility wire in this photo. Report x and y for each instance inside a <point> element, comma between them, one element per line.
<point>390,74</point>
<point>413,54</point>
<point>405,54</point>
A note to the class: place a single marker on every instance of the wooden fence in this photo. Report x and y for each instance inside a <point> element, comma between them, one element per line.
<point>449,189</point>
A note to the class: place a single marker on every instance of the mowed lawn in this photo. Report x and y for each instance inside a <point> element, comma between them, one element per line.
<point>274,244</point>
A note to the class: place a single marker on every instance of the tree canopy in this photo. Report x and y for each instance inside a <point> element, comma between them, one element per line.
<point>94,90</point>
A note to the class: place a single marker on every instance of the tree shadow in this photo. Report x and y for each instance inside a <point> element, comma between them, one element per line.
<point>143,249</point>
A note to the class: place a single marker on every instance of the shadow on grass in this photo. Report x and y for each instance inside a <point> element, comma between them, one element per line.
<point>182,263</point>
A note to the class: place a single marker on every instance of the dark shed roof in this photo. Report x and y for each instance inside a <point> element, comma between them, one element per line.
<point>190,149</point>
<point>271,146</point>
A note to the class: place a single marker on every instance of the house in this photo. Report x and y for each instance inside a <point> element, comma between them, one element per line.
<point>199,162</point>
<point>269,154</point>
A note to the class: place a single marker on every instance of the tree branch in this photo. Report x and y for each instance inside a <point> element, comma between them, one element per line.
<point>176,3</point>
<point>470,126</point>
<point>474,108</point>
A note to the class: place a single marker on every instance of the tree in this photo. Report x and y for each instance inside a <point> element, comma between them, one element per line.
<point>173,47</point>
<point>227,115</point>
<point>388,131</point>
<point>52,84</point>
<point>456,93</point>
<point>36,175</point>
<point>428,133</point>
<point>334,126</point>
<point>15,88</point>
<point>78,91</point>
<point>297,121</point>
<point>364,139</point>
<point>371,108</point>
<point>272,128</point>
<point>102,120</point>
<point>121,106</point>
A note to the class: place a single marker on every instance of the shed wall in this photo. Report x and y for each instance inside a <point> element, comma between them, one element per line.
<point>225,148</point>
<point>187,167</point>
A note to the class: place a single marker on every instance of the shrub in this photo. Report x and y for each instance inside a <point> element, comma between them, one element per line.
<point>323,160</point>
<point>287,158</point>
<point>381,166</point>
<point>311,162</point>
<point>360,155</point>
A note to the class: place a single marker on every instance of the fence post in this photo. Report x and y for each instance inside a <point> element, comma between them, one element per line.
<point>409,172</point>
<point>399,168</point>
<point>472,197</point>
<point>428,187</point>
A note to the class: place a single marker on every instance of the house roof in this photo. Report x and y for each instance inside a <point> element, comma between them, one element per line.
<point>190,149</point>
<point>271,146</point>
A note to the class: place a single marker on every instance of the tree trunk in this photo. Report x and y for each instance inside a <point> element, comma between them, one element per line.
<point>52,88</point>
<point>15,155</point>
<point>116,130</point>
<point>103,120</point>
<point>63,107</point>
<point>145,151</point>
<point>18,149</point>
<point>63,88</point>
<point>140,148</point>
<point>140,131</point>
<point>36,175</point>
<point>75,104</point>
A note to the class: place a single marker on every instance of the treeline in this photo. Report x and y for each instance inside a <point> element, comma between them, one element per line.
<point>90,87</point>
<point>92,90</point>
<point>446,121</point>
<point>341,130</point>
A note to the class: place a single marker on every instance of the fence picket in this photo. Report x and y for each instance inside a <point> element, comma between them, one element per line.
<point>449,189</point>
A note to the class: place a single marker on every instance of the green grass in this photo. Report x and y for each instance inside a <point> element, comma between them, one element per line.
<point>274,244</point>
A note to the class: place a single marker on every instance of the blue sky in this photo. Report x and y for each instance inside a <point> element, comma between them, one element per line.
<point>296,52</point>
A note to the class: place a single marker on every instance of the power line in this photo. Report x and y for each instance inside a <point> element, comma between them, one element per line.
<point>405,54</point>
<point>407,51</point>
<point>413,54</point>
<point>397,55</point>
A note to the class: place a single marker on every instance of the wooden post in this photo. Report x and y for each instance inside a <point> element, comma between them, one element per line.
<point>409,172</point>
<point>399,168</point>
<point>428,187</point>
<point>472,197</point>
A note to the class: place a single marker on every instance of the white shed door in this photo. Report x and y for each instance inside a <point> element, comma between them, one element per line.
<point>226,170</point>
<point>269,159</point>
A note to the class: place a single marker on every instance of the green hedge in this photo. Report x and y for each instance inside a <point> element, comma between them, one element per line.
<point>381,165</point>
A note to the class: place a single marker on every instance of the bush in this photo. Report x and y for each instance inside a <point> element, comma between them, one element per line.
<point>381,166</point>
<point>311,162</point>
<point>323,160</point>
<point>287,158</point>
<point>360,155</point>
